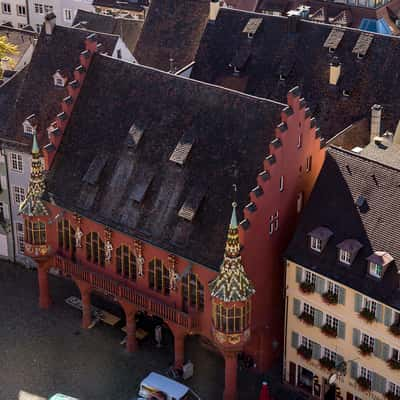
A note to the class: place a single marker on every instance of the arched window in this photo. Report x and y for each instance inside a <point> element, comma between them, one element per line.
<point>233,319</point>
<point>192,292</point>
<point>35,232</point>
<point>158,276</point>
<point>66,235</point>
<point>126,262</point>
<point>94,248</point>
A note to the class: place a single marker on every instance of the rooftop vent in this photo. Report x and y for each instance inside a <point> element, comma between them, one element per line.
<point>182,149</point>
<point>252,26</point>
<point>360,201</point>
<point>192,203</point>
<point>362,45</point>
<point>333,40</point>
<point>134,135</point>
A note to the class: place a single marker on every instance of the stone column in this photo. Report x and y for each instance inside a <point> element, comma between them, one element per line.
<point>43,279</point>
<point>230,390</point>
<point>179,348</point>
<point>85,290</point>
<point>130,313</point>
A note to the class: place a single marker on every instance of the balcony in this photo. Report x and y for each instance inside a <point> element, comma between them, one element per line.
<point>115,288</point>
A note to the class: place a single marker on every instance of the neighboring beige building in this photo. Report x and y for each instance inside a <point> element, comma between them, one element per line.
<point>342,283</point>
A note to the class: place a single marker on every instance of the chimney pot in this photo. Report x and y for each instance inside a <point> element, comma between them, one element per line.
<point>49,23</point>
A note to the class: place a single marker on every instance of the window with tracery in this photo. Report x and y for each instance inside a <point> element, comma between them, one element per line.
<point>159,276</point>
<point>66,235</point>
<point>126,262</point>
<point>192,292</point>
<point>35,232</point>
<point>95,249</point>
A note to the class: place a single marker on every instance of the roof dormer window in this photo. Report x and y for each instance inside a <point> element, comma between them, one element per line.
<point>378,263</point>
<point>60,78</point>
<point>348,250</point>
<point>344,257</point>
<point>375,270</point>
<point>29,125</point>
<point>319,238</point>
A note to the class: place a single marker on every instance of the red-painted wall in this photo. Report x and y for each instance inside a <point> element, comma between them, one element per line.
<point>262,252</point>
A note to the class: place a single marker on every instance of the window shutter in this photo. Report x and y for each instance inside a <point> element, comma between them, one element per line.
<point>295,340</point>
<point>353,369</point>
<point>341,295</point>
<point>385,351</point>
<point>378,383</point>
<point>379,313</point>
<point>378,348</point>
<point>341,330</point>
<point>318,318</point>
<point>296,307</point>
<point>357,302</point>
<point>356,337</point>
<point>5,211</point>
<point>339,361</point>
<point>388,316</point>
<point>319,285</point>
<point>299,274</point>
<point>316,351</point>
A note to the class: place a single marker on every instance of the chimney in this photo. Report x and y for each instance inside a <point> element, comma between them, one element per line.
<point>214,9</point>
<point>396,138</point>
<point>334,71</point>
<point>49,23</point>
<point>376,115</point>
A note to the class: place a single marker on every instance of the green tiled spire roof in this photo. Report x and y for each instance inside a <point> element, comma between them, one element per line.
<point>33,204</point>
<point>232,283</point>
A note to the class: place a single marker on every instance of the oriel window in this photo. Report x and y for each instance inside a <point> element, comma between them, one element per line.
<point>35,232</point>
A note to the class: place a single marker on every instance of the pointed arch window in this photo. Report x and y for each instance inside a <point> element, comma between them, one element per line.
<point>126,262</point>
<point>35,232</point>
<point>66,235</point>
<point>159,276</point>
<point>95,249</point>
<point>192,292</point>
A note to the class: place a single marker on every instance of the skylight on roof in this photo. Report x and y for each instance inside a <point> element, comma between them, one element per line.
<point>252,26</point>
<point>363,43</point>
<point>192,203</point>
<point>334,39</point>
<point>182,149</point>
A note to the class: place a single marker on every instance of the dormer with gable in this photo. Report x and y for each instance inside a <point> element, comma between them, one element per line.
<point>60,78</point>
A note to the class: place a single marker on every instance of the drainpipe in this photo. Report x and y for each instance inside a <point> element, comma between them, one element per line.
<point>9,205</point>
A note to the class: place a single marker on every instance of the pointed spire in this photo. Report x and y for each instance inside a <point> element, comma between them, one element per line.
<point>232,283</point>
<point>33,205</point>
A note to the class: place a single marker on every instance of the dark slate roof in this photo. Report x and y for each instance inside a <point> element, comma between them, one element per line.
<point>131,5</point>
<point>38,95</point>
<point>172,29</point>
<point>8,94</point>
<point>128,28</point>
<point>344,177</point>
<point>247,5</point>
<point>135,188</point>
<point>303,60</point>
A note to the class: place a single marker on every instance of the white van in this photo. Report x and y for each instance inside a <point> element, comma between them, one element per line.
<point>159,387</point>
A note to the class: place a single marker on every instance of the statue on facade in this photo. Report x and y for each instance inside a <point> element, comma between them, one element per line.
<point>173,279</point>
<point>78,237</point>
<point>140,265</point>
<point>108,251</point>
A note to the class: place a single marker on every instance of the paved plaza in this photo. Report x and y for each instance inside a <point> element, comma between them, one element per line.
<point>44,352</point>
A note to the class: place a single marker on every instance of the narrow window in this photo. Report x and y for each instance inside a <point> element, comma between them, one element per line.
<point>281,183</point>
<point>309,163</point>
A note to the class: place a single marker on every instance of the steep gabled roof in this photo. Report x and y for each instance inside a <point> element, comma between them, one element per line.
<point>37,94</point>
<point>172,29</point>
<point>127,28</point>
<point>127,123</point>
<point>279,60</point>
<point>345,179</point>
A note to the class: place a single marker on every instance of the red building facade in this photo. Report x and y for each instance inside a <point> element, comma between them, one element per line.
<point>143,277</point>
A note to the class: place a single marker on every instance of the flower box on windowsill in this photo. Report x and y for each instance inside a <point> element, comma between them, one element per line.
<point>368,315</point>
<point>392,396</point>
<point>364,383</point>
<point>365,349</point>
<point>329,330</point>
<point>307,287</point>
<point>307,318</point>
<point>304,352</point>
<point>330,298</point>
<point>394,364</point>
<point>395,329</point>
<point>327,363</point>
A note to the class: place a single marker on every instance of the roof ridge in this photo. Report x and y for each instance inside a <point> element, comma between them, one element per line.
<point>359,155</point>
<point>88,30</point>
<point>348,28</point>
<point>200,83</point>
